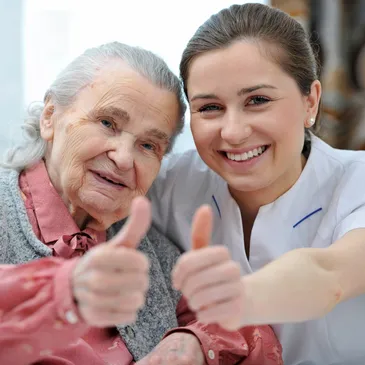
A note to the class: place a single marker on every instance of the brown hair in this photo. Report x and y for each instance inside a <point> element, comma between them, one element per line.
<point>292,48</point>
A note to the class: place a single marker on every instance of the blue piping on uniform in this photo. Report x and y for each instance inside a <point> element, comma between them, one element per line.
<point>306,217</point>
<point>216,204</point>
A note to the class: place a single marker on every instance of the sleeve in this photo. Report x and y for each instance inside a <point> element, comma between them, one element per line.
<point>248,346</point>
<point>37,310</point>
<point>351,201</point>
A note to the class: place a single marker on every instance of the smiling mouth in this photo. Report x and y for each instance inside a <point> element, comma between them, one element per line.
<point>245,156</point>
<point>109,181</point>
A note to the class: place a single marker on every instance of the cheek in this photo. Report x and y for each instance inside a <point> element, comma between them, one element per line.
<point>147,170</point>
<point>204,133</point>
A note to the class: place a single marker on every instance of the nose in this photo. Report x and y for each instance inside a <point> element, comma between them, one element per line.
<point>235,130</point>
<point>122,153</point>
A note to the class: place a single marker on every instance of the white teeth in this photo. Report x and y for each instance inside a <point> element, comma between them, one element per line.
<point>246,155</point>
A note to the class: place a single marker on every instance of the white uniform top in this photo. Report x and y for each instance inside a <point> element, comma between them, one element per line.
<point>327,201</point>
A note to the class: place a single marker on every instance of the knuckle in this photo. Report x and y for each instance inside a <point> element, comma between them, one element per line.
<point>129,317</point>
<point>143,262</point>
<point>140,300</point>
<point>145,284</point>
<point>134,301</point>
<point>183,263</point>
<point>223,252</point>
<point>233,269</point>
<point>193,304</point>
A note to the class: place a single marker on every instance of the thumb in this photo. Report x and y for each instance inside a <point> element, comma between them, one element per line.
<point>202,227</point>
<point>136,226</point>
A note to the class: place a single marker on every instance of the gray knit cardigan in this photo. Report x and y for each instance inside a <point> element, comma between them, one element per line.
<point>18,244</point>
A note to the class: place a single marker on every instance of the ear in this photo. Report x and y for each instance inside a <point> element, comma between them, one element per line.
<point>46,122</point>
<point>313,100</point>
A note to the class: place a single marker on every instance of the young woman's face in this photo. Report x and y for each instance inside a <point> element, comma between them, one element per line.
<point>248,117</point>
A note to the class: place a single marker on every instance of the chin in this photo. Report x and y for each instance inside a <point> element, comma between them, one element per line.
<point>98,203</point>
<point>246,184</point>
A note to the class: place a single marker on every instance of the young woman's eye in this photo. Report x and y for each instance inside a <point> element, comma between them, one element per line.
<point>107,124</point>
<point>258,100</point>
<point>209,108</point>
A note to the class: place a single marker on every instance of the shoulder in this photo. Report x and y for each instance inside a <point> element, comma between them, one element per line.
<point>8,175</point>
<point>9,186</point>
<point>332,162</point>
<point>342,172</point>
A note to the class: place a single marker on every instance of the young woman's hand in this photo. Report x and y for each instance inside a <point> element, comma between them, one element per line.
<point>209,279</point>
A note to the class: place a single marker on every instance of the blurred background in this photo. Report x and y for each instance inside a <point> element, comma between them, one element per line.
<point>40,37</point>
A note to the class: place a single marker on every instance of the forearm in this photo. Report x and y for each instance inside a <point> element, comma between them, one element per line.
<point>37,310</point>
<point>296,287</point>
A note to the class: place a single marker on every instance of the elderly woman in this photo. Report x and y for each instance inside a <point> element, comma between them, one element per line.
<point>93,150</point>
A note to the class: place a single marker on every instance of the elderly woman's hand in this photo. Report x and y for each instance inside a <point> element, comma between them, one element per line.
<point>209,279</point>
<point>179,348</point>
<point>110,282</point>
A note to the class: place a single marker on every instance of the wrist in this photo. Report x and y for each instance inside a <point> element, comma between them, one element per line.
<point>251,303</point>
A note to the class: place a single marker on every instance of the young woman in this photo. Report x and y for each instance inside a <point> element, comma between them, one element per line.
<point>290,208</point>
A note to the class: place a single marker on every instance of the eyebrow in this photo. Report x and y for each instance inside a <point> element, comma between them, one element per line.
<point>115,112</point>
<point>158,134</point>
<point>244,90</point>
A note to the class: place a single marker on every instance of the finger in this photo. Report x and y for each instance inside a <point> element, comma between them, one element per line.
<point>137,224</point>
<point>190,263</point>
<point>102,283</point>
<point>121,303</point>
<point>202,226</point>
<point>214,295</point>
<point>99,318</point>
<point>226,312</point>
<point>228,271</point>
<point>111,259</point>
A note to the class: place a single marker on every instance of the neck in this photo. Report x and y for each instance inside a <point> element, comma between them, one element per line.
<point>250,202</point>
<point>80,217</point>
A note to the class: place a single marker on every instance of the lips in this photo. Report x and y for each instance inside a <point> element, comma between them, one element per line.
<point>111,179</point>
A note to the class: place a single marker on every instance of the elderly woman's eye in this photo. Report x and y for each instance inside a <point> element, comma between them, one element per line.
<point>106,123</point>
<point>148,146</point>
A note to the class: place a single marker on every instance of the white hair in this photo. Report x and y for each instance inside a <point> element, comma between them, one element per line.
<point>80,73</point>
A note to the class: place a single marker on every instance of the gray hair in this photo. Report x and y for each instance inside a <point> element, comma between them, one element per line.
<point>78,74</point>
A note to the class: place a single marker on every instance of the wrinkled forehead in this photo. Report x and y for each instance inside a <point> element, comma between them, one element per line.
<point>123,94</point>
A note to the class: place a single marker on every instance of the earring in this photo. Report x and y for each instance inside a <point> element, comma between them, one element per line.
<point>310,122</point>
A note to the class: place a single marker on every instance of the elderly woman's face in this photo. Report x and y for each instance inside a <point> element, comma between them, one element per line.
<point>107,147</point>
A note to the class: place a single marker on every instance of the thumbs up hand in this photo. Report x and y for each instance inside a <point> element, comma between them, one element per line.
<point>110,282</point>
<point>208,278</point>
